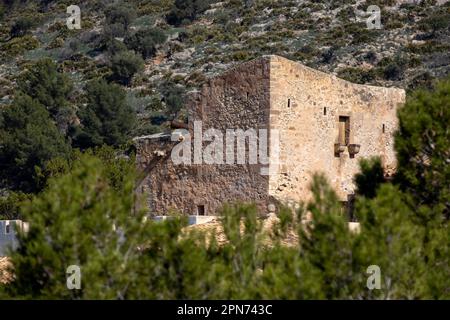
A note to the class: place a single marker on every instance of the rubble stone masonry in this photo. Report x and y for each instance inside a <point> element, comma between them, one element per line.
<point>310,127</point>
<point>325,124</point>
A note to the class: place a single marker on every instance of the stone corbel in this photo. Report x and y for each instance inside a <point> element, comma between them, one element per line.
<point>353,149</point>
<point>338,149</point>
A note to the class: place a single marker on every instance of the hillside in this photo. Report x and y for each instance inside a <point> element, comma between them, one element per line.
<point>410,50</point>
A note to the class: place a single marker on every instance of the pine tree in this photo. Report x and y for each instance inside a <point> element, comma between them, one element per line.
<point>422,145</point>
<point>107,119</point>
<point>87,217</point>
<point>79,220</point>
<point>28,139</point>
<point>370,177</point>
<point>326,243</point>
<point>51,88</point>
<point>392,239</point>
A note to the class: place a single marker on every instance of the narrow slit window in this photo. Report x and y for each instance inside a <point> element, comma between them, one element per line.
<point>248,95</point>
<point>384,128</point>
<point>200,210</point>
<point>7,227</point>
<point>344,131</point>
<point>325,111</point>
<point>289,103</point>
<point>348,208</point>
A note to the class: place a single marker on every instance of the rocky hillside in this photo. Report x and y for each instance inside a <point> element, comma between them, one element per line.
<point>201,38</point>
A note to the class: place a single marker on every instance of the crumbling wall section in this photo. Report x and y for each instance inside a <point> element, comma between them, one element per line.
<point>237,99</point>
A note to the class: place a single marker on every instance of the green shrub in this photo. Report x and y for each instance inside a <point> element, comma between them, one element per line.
<point>424,80</point>
<point>429,47</point>
<point>185,11</point>
<point>18,46</point>
<point>10,205</point>
<point>22,26</point>
<point>357,75</point>
<point>393,71</point>
<point>146,41</point>
<point>174,98</point>
<point>241,55</point>
<point>393,68</point>
<point>221,17</point>
<point>115,46</point>
<point>124,65</point>
<point>119,19</point>
<point>364,36</point>
<point>57,42</point>
<point>435,22</point>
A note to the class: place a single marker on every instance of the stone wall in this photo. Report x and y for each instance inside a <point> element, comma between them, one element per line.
<point>305,106</point>
<point>237,99</point>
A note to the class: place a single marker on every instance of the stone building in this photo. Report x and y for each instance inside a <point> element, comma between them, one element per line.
<point>315,122</point>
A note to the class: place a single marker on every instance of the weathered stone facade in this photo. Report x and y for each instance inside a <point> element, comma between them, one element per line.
<point>310,127</point>
<point>321,122</point>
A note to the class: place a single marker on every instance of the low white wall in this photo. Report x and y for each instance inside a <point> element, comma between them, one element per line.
<point>8,235</point>
<point>191,219</point>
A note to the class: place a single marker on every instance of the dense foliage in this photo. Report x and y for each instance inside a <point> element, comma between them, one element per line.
<point>146,41</point>
<point>118,19</point>
<point>106,119</point>
<point>125,64</point>
<point>422,145</point>
<point>126,72</point>
<point>87,216</point>
<point>28,138</point>
<point>51,88</point>
<point>185,11</point>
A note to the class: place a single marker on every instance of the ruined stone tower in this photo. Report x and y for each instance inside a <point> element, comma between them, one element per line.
<point>321,124</point>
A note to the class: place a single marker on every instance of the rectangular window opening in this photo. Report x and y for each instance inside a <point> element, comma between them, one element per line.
<point>343,208</point>
<point>348,209</point>
<point>289,103</point>
<point>384,128</point>
<point>351,208</point>
<point>7,228</point>
<point>344,131</point>
<point>325,111</point>
<point>200,210</point>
